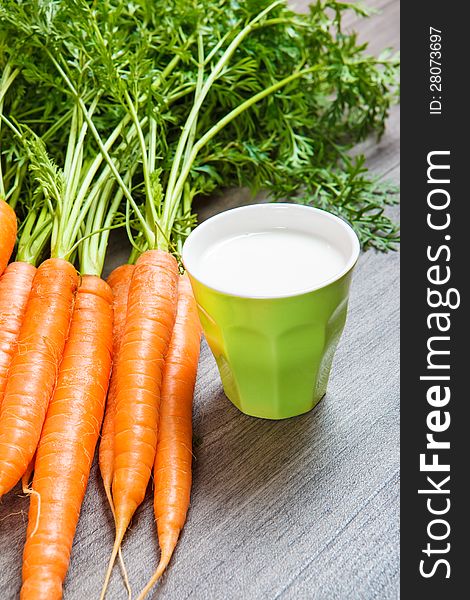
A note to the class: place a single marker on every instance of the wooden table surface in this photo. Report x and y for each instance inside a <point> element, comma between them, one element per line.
<point>302,508</point>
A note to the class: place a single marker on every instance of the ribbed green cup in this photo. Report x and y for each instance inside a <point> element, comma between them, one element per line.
<point>274,354</point>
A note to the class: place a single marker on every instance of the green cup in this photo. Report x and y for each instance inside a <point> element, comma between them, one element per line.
<point>274,352</point>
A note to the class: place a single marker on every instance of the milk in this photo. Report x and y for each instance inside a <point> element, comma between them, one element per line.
<point>275,262</point>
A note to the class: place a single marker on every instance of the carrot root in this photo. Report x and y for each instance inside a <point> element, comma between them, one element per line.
<point>167,548</point>
<point>32,492</point>
<point>29,491</point>
<point>119,281</point>
<point>124,574</point>
<point>172,470</point>
<point>15,286</point>
<point>116,547</point>
<point>26,479</point>
<point>8,230</point>
<point>121,558</point>
<point>150,318</point>
<point>68,441</point>
<point>33,370</point>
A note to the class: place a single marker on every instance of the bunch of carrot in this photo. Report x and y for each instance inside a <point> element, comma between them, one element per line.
<point>148,422</point>
<point>63,330</point>
<point>55,366</point>
<point>55,363</point>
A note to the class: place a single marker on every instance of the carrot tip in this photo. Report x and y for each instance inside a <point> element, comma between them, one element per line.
<point>109,496</point>
<point>30,492</point>
<point>117,545</point>
<point>124,574</point>
<point>162,565</point>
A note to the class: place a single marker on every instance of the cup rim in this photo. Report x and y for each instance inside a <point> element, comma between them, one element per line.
<point>356,248</point>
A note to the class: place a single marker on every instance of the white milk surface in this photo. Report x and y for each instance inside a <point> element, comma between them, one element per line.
<point>276,262</point>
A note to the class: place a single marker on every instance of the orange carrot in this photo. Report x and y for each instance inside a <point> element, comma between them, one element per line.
<point>119,282</point>
<point>150,318</point>
<point>68,442</point>
<point>8,229</point>
<point>174,454</point>
<point>15,285</point>
<point>33,369</point>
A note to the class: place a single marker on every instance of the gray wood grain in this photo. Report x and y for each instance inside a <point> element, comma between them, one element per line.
<point>303,508</point>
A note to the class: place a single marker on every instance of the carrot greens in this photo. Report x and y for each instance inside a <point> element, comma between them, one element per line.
<point>221,94</point>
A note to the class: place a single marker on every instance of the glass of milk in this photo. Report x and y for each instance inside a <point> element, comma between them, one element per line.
<point>272,282</point>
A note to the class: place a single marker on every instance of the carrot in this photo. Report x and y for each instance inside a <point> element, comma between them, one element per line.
<point>150,318</point>
<point>33,370</point>
<point>68,442</point>
<point>119,281</point>
<point>172,470</point>
<point>15,285</point>
<point>8,229</point>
